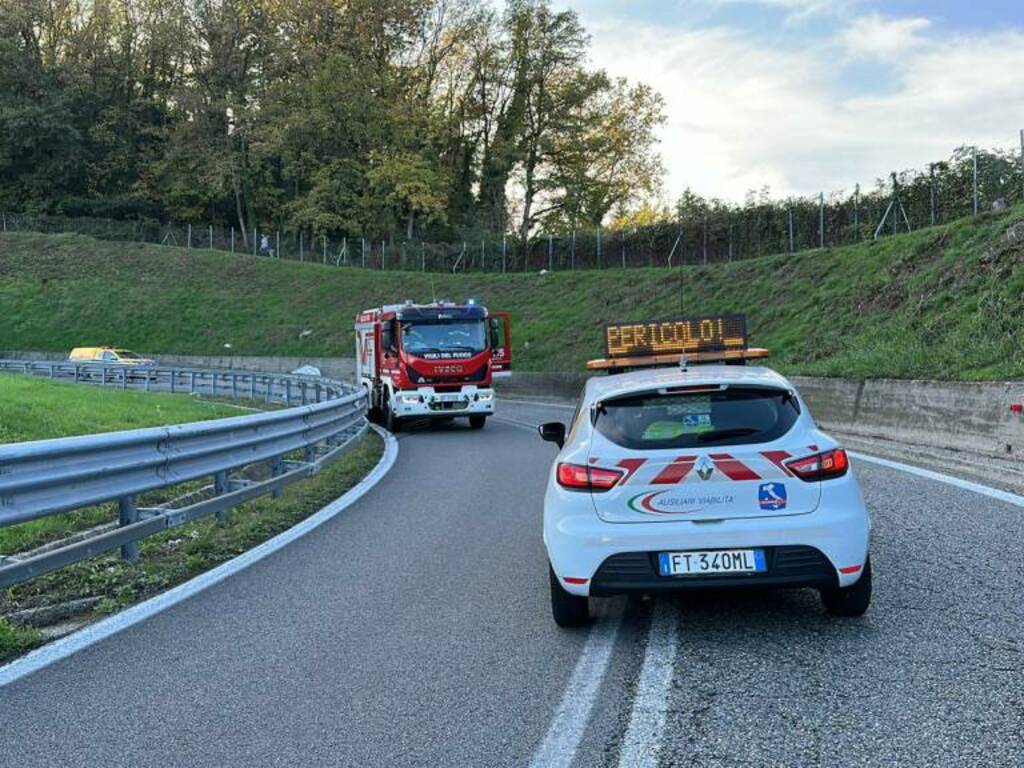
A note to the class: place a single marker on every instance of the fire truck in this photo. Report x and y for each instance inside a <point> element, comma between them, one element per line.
<point>431,360</point>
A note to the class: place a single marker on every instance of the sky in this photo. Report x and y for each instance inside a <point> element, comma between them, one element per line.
<point>815,95</point>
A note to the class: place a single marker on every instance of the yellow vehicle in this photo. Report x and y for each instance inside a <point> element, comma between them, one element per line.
<point>108,355</point>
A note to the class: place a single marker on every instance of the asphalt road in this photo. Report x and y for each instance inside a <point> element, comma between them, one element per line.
<point>414,630</point>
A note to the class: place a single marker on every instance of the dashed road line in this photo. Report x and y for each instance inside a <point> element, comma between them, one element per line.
<point>642,744</point>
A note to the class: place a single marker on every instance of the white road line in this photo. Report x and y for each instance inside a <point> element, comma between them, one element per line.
<point>94,633</point>
<point>642,743</point>
<point>984,490</point>
<point>558,749</point>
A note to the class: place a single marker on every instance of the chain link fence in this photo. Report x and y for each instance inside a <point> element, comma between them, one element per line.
<point>970,183</point>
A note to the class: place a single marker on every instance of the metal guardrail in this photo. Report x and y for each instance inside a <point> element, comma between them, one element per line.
<point>49,477</point>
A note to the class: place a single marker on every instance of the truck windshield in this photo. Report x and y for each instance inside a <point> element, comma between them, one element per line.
<point>448,339</point>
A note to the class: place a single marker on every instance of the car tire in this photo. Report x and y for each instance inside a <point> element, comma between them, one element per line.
<point>477,420</point>
<point>852,600</point>
<point>567,609</point>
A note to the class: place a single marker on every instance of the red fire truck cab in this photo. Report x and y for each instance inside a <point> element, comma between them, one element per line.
<point>432,360</point>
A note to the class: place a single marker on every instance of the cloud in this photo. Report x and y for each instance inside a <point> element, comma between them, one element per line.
<point>800,116</point>
<point>876,35</point>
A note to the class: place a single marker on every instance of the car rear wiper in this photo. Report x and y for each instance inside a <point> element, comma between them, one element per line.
<point>724,434</point>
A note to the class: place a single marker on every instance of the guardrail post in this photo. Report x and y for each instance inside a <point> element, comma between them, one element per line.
<point>51,370</point>
<point>174,378</point>
<point>213,376</point>
<point>252,386</point>
<point>147,380</point>
<point>191,382</point>
<point>220,487</point>
<point>267,380</point>
<point>303,393</point>
<point>124,378</point>
<point>288,391</point>
<point>276,469</point>
<point>234,385</point>
<point>128,514</point>
<point>76,374</point>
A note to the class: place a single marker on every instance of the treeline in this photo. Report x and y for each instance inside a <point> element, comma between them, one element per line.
<point>392,119</point>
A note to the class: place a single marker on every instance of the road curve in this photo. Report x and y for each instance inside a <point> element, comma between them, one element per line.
<point>413,630</point>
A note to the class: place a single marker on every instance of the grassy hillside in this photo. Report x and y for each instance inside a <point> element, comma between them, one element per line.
<point>946,302</point>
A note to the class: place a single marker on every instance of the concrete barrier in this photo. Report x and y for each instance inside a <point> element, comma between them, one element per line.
<point>964,428</point>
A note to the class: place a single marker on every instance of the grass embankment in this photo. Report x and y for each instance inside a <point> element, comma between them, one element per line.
<point>946,302</point>
<point>37,409</point>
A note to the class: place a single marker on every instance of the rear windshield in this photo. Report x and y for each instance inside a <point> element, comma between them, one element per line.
<point>730,416</point>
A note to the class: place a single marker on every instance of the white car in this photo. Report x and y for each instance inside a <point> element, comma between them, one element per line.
<point>711,477</point>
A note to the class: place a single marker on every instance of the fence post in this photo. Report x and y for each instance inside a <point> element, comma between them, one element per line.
<point>1021,167</point>
<point>856,210</point>
<point>821,220</point>
<point>5,213</point>
<point>128,514</point>
<point>302,256</point>
<point>974,158</point>
<point>423,256</point>
<point>572,251</point>
<point>599,264</point>
<point>325,249</point>
<point>188,247</point>
<point>383,255</point>
<point>255,245</point>
<point>232,239</point>
<point>483,256</point>
<point>504,251</point>
<point>551,256</point>
<point>931,190</point>
<point>790,210</point>
<point>211,237</point>
<point>731,225</point>
<point>705,241</point>
<point>362,250</point>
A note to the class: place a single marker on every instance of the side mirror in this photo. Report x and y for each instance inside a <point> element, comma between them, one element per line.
<point>553,432</point>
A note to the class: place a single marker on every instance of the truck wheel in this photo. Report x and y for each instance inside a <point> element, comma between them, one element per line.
<point>477,420</point>
<point>852,600</point>
<point>390,422</point>
<point>567,609</point>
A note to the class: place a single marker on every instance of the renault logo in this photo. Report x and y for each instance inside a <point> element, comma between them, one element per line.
<point>705,468</point>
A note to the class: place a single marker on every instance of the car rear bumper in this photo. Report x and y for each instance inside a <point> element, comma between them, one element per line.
<point>808,550</point>
<point>788,566</point>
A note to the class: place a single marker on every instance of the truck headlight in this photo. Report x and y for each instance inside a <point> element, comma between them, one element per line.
<point>485,397</point>
<point>408,399</point>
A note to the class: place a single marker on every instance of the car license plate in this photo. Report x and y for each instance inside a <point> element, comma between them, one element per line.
<point>449,398</point>
<point>716,561</point>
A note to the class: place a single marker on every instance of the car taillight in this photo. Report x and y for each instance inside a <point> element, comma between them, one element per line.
<point>820,466</point>
<point>577,477</point>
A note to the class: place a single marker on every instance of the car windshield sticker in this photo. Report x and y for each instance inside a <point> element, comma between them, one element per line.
<point>689,416</point>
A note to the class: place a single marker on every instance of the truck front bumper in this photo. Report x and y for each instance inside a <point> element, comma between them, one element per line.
<point>426,402</point>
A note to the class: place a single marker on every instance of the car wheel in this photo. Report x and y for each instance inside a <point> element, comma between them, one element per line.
<point>477,420</point>
<point>567,609</point>
<point>852,600</point>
